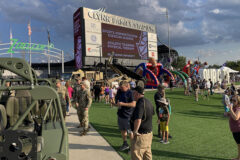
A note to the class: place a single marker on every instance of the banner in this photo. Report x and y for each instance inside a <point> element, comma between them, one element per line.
<point>77,39</point>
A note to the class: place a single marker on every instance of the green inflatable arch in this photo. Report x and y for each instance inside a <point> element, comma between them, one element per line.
<point>181,76</point>
<point>185,74</point>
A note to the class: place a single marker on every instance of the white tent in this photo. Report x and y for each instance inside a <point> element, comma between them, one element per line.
<point>229,70</point>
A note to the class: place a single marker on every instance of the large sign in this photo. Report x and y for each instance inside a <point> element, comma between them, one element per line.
<point>117,20</point>
<point>78,39</point>
<point>26,46</point>
<point>99,34</point>
<point>124,42</point>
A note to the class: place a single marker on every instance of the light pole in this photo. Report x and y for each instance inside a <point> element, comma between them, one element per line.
<point>168,38</point>
<point>100,53</point>
<point>168,35</point>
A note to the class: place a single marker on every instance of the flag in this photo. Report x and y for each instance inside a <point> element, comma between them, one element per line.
<point>11,36</point>
<point>49,41</point>
<point>29,29</point>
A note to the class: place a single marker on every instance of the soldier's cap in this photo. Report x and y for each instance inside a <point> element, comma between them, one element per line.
<point>58,81</point>
<point>83,83</point>
<point>139,90</point>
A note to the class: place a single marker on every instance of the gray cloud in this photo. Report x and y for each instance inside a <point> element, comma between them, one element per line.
<point>192,22</point>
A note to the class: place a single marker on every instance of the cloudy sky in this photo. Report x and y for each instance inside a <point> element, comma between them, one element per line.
<point>208,29</point>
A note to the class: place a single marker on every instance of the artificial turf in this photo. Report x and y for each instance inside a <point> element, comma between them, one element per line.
<point>199,129</point>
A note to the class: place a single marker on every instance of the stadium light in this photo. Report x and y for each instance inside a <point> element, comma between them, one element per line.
<point>168,35</point>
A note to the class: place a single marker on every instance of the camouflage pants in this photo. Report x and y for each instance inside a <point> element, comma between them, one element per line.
<point>83,117</point>
<point>64,108</point>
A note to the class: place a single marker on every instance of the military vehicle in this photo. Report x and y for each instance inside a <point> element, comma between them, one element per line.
<point>123,73</point>
<point>32,126</point>
<point>96,75</point>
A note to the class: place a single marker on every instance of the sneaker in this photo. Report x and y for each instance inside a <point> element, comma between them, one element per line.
<point>124,147</point>
<point>67,114</point>
<point>161,141</point>
<point>166,142</point>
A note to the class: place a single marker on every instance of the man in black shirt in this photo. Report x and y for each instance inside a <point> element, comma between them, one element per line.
<point>97,91</point>
<point>141,125</point>
<point>124,100</point>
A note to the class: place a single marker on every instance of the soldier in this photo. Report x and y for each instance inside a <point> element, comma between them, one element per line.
<point>63,95</point>
<point>76,90</point>
<point>83,103</point>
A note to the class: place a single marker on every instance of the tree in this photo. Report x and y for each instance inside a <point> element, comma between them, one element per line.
<point>235,65</point>
<point>215,66</point>
<point>179,62</point>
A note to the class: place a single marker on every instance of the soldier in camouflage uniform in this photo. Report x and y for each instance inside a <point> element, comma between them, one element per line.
<point>83,103</point>
<point>64,97</point>
<point>77,88</point>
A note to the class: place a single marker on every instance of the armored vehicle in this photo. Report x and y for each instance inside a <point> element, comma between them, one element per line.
<point>32,126</point>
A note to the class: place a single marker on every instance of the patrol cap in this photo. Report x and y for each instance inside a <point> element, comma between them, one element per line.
<point>58,81</point>
<point>83,83</point>
<point>139,90</point>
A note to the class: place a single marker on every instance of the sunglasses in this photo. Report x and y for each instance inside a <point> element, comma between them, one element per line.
<point>234,100</point>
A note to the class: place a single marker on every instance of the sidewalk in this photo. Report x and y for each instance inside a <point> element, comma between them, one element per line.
<point>91,147</point>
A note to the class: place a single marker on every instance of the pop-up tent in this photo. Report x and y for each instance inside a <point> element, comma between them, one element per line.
<point>229,70</point>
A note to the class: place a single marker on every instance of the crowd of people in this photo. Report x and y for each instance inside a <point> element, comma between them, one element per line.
<point>135,112</point>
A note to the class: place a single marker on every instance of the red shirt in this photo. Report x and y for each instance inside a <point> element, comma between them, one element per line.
<point>234,125</point>
<point>70,91</point>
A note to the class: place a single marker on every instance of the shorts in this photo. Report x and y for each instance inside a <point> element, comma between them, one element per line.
<point>163,126</point>
<point>106,93</point>
<point>236,136</point>
<point>124,124</point>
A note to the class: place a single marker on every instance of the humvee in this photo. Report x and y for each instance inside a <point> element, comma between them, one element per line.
<point>32,126</point>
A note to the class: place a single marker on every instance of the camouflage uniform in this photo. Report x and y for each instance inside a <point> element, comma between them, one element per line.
<point>84,101</point>
<point>63,95</point>
<point>77,88</point>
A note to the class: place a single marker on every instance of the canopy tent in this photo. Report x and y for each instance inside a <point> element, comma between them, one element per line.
<point>229,70</point>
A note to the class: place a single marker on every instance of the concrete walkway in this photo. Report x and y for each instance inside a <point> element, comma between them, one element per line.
<point>91,147</point>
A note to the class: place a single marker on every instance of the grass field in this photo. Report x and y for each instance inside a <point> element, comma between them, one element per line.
<point>199,129</point>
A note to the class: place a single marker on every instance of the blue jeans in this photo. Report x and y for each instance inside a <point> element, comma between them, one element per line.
<point>67,107</point>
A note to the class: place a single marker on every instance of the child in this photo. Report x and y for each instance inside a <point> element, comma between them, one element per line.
<point>164,117</point>
<point>112,93</point>
<point>226,101</point>
<point>196,89</point>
